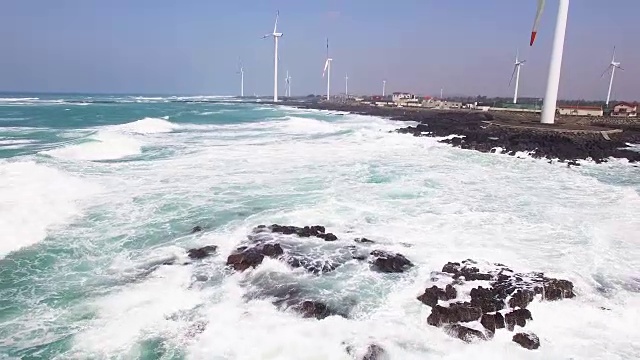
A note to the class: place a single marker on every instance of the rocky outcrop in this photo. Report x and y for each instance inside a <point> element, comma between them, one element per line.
<point>527,340</point>
<point>314,309</point>
<point>364,241</point>
<point>373,352</point>
<point>307,231</point>
<point>196,229</point>
<point>245,257</point>
<point>201,253</point>
<point>464,333</point>
<point>388,262</point>
<point>499,302</point>
<point>433,294</point>
<point>474,132</point>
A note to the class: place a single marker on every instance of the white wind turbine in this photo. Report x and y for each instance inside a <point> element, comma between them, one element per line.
<point>276,35</point>
<point>384,87</point>
<point>516,72</point>
<point>346,85</point>
<point>241,72</point>
<point>612,66</point>
<point>327,70</point>
<point>553,82</point>
<point>287,85</point>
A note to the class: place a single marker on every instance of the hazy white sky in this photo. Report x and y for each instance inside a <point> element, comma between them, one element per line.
<point>169,46</point>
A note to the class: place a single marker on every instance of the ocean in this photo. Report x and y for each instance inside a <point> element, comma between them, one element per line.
<point>97,192</point>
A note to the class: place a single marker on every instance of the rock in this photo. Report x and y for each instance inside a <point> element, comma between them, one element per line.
<point>314,309</point>
<point>491,322</point>
<point>486,300</point>
<point>314,266</point>
<point>464,333</point>
<point>374,352</point>
<point>517,317</point>
<point>387,262</point>
<point>456,312</point>
<point>245,258</point>
<point>527,340</point>
<point>327,237</point>
<point>364,241</point>
<point>201,253</point>
<point>451,268</point>
<point>434,293</point>
<point>196,229</point>
<point>521,298</point>
<point>555,289</point>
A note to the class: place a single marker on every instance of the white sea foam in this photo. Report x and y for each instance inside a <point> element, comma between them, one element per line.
<point>426,200</point>
<point>114,141</point>
<point>35,198</point>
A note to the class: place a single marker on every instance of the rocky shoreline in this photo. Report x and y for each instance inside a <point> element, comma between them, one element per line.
<point>469,300</point>
<point>579,138</point>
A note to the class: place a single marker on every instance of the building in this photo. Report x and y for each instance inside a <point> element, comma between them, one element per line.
<point>625,109</point>
<point>578,110</point>
<point>401,96</point>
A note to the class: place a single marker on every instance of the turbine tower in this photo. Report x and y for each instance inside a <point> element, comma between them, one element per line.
<point>553,82</point>
<point>241,72</point>
<point>346,85</point>
<point>384,87</point>
<point>516,72</point>
<point>327,70</point>
<point>612,66</point>
<point>287,85</point>
<point>276,35</point>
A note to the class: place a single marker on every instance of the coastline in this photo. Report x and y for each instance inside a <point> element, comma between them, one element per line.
<point>569,140</point>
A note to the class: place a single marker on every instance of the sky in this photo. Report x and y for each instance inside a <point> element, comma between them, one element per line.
<point>465,47</point>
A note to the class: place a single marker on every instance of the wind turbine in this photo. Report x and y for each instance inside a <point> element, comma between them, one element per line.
<point>612,66</point>
<point>327,70</point>
<point>516,72</point>
<point>287,85</point>
<point>241,72</point>
<point>346,85</point>
<point>276,35</point>
<point>384,86</point>
<point>553,82</point>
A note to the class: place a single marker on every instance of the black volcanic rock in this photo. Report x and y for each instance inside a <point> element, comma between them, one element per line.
<point>201,253</point>
<point>433,294</point>
<point>517,317</point>
<point>491,322</point>
<point>389,262</point>
<point>464,333</point>
<point>454,313</point>
<point>527,340</point>
<point>245,258</point>
<point>364,241</point>
<point>196,229</point>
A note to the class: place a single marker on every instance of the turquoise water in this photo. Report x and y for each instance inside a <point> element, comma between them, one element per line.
<point>95,191</point>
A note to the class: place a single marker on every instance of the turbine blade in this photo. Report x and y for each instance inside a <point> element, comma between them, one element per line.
<point>512,74</point>
<point>275,26</point>
<point>536,21</point>
<point>620,67</point>
<point>613,57</point>
<point>326,65</point>
<point>605,71</point>
<point>266,36</point>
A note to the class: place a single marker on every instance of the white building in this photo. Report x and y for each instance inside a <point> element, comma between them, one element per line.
<point>577,110</point>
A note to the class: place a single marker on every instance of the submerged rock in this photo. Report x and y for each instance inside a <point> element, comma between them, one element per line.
<point>364,241</point>
<point>304,232</point>
<point>387,262</point>
<point>374,352</point>
<point>527,340</point>
<point>315,309</point>
<point>196,229</point>
<point>201,253</point>
<point>464,333</point>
